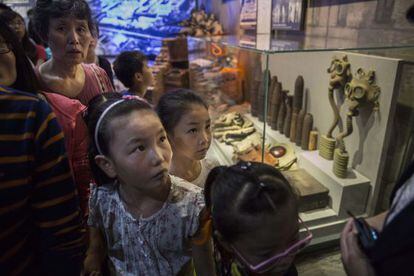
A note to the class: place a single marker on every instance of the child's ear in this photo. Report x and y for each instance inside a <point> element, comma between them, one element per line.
<point>106,165</point>
<point>138,77</point>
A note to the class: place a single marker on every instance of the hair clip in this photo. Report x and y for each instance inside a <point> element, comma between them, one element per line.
<point>262,187</point>
<point>131,97</point>
<point>245,166</point>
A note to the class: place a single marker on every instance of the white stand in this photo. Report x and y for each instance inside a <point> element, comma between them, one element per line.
<point>349,193</point>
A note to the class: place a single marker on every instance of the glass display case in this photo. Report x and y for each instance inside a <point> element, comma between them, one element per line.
<point>334,115</point>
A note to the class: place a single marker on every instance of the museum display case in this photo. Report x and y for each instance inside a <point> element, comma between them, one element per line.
<point>333,115</point>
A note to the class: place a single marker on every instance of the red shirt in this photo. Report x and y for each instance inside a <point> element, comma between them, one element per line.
<point>69,114</point>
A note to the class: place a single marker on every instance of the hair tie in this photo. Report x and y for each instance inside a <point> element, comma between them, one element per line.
<point>245,166</point>
<point>132,97</point>
<point>98,124</point>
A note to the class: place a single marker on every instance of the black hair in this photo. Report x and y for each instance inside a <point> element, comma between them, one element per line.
<point>4,7</point>
<point>48,9</point>
<point>95,29</point>
<point>26,78</point>
<point>410,14</point>
<point>96,107</point>
<point>174,104</point>
<point>236,194</point>
<point>31,32</point>
<point>28,46</point>
<point>127,64</point>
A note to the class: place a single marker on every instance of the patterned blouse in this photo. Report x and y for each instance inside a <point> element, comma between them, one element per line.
<point>155,245</point>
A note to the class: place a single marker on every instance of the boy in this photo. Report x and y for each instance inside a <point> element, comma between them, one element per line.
<point>131,69</point>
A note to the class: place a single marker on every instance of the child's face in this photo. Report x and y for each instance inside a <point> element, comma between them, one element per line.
<point>147,77</point>
<point>268,240</point>
<point>139,150</point>
<point>191,137</point>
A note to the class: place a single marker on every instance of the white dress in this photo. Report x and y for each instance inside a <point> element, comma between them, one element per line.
<point>156,245</point>
<point>207,164</point>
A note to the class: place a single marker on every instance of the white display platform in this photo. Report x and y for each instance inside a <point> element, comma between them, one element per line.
<point>353,191</point>
<point>349,193</point>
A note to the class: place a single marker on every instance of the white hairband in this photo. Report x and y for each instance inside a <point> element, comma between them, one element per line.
<point>98,124</point>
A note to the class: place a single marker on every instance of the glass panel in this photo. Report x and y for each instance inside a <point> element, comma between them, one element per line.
<point>283,42</point>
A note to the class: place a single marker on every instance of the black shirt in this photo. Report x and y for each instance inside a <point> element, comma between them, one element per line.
<point>106,65</point>
<point>393,253</point>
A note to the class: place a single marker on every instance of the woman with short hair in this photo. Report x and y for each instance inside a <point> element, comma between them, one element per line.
<point>69,83</point>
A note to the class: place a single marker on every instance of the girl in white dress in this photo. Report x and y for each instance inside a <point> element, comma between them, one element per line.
<point>142,220</point>
<point>186,119</point>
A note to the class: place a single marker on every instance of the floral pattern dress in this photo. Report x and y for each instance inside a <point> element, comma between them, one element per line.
<point>155,245</point>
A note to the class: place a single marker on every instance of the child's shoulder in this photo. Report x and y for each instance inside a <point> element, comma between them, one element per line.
<point>184,193</point>
<point>183,185</point>
<point>102,193</point>
<point>186,201</point>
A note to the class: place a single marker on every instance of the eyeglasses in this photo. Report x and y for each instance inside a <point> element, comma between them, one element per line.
<point>276,259</point>
<point>5,47</point>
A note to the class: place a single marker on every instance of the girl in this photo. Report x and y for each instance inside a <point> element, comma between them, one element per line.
<point>255,219</point>
<point>35,53</point>
<point>148,219</point>
<point>187,122</point>
<point>15,68</point>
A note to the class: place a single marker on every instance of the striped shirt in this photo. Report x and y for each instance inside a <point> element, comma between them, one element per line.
<point>40,222</point>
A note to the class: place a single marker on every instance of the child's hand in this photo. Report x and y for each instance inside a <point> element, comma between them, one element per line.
<point>92,265</point>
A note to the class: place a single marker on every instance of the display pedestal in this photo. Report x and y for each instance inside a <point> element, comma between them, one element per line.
<point>350,193</point>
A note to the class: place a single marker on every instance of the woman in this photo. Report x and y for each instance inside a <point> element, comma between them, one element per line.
<point>69,83</point>
<point>24,76</point>
<point>36,53</point>
<point>34,233</point>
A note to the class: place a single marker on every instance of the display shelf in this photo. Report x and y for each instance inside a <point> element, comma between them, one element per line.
<point>272,136</point>
<point>290,56</point>
<point>301,42</point>
<point>350,193</point>
<point>222,152</point>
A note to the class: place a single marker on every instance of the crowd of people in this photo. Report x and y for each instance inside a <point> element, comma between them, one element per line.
<point>99,182</point>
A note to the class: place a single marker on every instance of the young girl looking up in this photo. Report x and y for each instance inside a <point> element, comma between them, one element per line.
<point>255,219</point>
<point>187,122</point>
<point>149,221</point>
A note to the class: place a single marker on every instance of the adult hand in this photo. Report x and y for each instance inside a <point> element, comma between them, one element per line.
<point>377,222</point>
<point>354,260</point>
<point>92,265</point>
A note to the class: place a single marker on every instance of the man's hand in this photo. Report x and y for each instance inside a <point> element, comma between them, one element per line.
<point>354,260</point>
<point>92,265</point>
